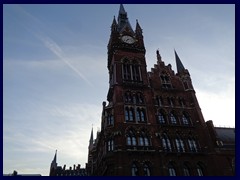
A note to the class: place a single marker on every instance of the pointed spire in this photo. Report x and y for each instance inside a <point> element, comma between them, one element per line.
<point>91,138</point>
<point>55,157</point>
<point>180,66</point>
<point>123,22</point>
<point>114,24</point>
<point>122,10</point>
<point>138,28</point>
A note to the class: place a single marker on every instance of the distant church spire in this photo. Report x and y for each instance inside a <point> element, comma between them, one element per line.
<point>180,66</point>
<point>91,138</point>
<point>53,166</point>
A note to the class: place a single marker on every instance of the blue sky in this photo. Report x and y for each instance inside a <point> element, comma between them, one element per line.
<point>55,74</point>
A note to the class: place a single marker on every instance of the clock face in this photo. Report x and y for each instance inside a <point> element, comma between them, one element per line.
<point>128,39</point>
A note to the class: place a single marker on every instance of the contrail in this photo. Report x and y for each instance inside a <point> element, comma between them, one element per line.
<point>56,49</point>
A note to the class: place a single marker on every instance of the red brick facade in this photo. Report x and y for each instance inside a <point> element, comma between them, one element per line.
<point>152,124</point>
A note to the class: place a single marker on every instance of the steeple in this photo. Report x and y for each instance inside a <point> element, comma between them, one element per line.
<point>180,66</point>
<point>53,166</point>
<point>138,29</point>
<point>91,139</point>
<point>123,23</point>
<point>114,25</point>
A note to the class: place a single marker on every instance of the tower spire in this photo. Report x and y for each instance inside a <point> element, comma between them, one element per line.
<point>179,64</point>
<point>123,22</point>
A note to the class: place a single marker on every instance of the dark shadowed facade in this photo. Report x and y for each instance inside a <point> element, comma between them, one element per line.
<point>152,124</point>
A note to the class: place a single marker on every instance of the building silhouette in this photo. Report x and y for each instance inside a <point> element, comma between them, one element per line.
<point>152,124</point>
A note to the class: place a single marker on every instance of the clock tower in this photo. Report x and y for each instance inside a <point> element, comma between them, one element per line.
<point>152,124</point>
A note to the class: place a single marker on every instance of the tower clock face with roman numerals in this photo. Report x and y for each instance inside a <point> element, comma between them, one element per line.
<point>128,39</point>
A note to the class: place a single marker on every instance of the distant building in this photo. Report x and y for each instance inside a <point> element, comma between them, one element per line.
<point>152,124</point>
<point>15,173</point>
<point>62,171</point>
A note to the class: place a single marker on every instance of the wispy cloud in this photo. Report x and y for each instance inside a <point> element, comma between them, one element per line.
<point>48,42</point>
<point>57,50</point>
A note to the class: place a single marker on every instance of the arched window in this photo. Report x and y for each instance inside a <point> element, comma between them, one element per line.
<point>166,143</point>
<point>109,117</point>
<point>171,170</point>
<point>173,119</point>
<point>186,170</point>
<point>128,97</point>
<point>192,145</point>
<point>134,170</point>
<point>165,79</point>
<point>159,101</point>
<point>200,170</point>
<point>139,98</point>
<point>143,139</point>
<point>129,114</point>
<point>170,101</point>
<point>185,119</point>
<point>179,144</point>
<point>161,117</point>
<point>140,115</point>
<point>131,71</point>
<point>131,139</point>
<point>146,170</point>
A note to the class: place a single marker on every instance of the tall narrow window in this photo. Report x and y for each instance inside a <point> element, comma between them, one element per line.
<point>192,145</point>
<point>129,114</point>
<point>185,120</point>
<point>161,117</point>
<point>166,143</point>
<point>171,170</point>
<point>159,101</point>
<point>136,73</point>
<point>126,72</point>
<point>134,170</point>
<point>146,170</point>
<point>179,144</point>
<point>165,79</point>
<point>173,119</point>
<point>110,145</point>
<point>199,170</point>
<point>186,170</point>
<point>128,97</point>
<point>140,115</point>
<point>131,139</point>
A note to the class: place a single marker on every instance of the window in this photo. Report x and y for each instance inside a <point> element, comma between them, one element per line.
<point>110,145</point>
<point>165,79</point>
<point>199,170</point>
<point>146,170</point>
<point>181,102</point>
<point>131,72</point>
<point>166,143</point>
<point>192,145</point>
<point>159,101</point>
<point>170,101</point>
<point>179,144</point>
<point>171,170</point>
<point>185,120</point>
<point>143,140</point>
<point>128,97</point>
<point>129,114</point>
<point>173,119</point>
<point>139,98</point>
<point>131,139</point>
<point>110,119</point>
<point>161,118</point>
<point>134,170</point>
<point>126,72</point>
<point>186,171</point>
<point>140,114</point>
